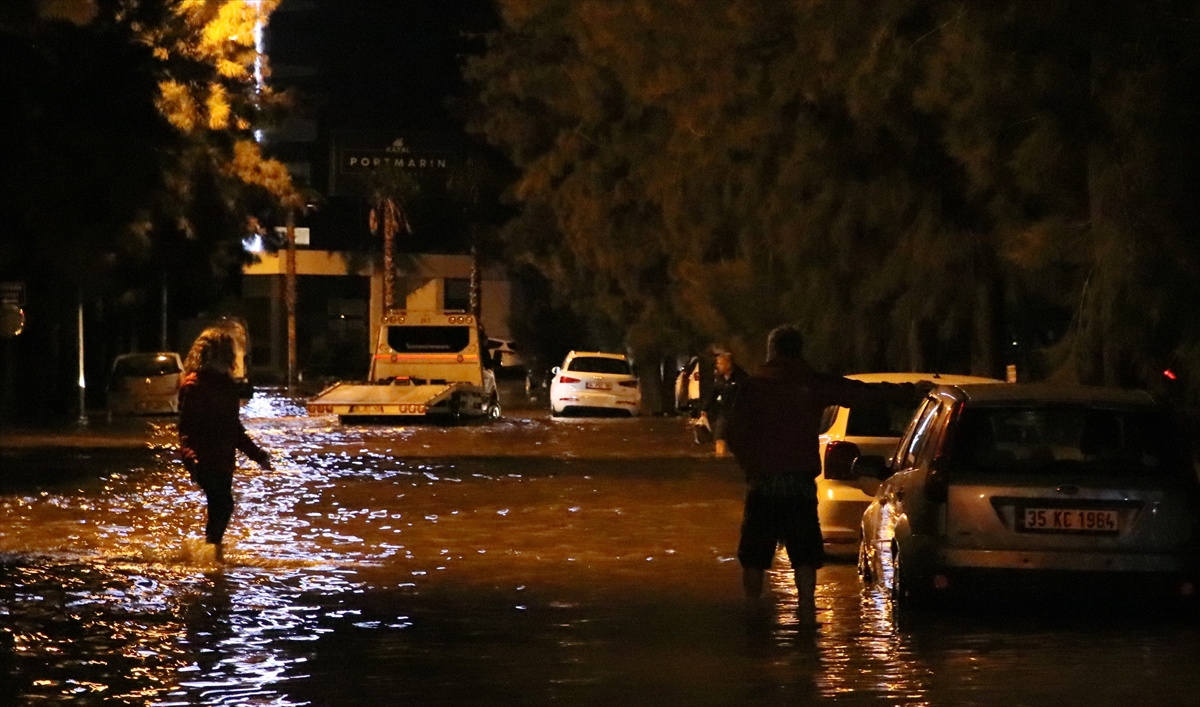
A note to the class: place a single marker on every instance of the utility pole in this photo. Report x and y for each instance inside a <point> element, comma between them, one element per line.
<point>476,282</point>
<point>290,299</point>
<point>83,418</point>
<point>162,344</point>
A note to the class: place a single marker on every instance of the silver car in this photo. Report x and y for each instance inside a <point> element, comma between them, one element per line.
<point>1088,490</point>
<point>145,384</point>
<point>875,429</point>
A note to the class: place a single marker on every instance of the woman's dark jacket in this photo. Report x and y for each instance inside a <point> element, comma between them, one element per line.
<point>210,431</point>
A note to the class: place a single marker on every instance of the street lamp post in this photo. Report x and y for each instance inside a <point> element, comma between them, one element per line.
<point>83,418</point>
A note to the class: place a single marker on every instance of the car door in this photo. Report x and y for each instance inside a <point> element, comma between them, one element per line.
<point>879,520</point>
<point>901,495</point>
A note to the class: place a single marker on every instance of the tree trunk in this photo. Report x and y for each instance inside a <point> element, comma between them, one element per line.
<point>983,345</point>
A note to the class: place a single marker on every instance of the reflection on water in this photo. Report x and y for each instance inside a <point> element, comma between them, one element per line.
<point>530,562</point>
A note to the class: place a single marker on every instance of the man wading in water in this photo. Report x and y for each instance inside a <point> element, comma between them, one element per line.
<point>715,408</point>
<point>773,433</point>
<point>210,432</point>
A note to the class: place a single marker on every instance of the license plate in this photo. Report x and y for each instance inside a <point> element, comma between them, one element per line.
<point>599,386</point>
<point>1070,520</point>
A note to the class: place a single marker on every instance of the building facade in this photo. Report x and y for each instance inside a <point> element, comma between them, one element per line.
<point>339,307</point>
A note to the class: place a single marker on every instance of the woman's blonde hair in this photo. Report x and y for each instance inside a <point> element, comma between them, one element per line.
<point>213,350</point>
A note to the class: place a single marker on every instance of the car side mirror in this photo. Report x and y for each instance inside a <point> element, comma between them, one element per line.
<point>844,462</point>
<point>839,461</point>
<point>554,371</point>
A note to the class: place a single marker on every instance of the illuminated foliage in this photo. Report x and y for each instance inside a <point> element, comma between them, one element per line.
<point>199,37</point>
<point>129,162</point>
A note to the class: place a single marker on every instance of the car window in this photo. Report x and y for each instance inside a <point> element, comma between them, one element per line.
<point>1066,439</point>
<point>907,456</point>
<point>879,419</point>
<point>598,364</point>
<point>932,435</point>
<point>145,366</point>
<point>434,339</point>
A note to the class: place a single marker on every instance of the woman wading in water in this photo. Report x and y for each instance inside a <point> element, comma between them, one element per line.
<point>210,433</point>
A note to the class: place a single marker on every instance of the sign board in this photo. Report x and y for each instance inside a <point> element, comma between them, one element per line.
<point>356,154</point>
<point>12,293</point>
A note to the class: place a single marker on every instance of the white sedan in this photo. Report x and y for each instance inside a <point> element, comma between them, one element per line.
<point>592,382</point>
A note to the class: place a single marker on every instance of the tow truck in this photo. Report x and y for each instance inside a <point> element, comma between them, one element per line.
<point>426,365</point>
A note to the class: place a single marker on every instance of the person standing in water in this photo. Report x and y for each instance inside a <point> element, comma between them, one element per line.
<point>714,410</point>
<point>210,432</point>
<point>774,434</point>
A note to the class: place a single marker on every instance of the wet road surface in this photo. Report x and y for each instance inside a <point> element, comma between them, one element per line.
<point>530,562</point>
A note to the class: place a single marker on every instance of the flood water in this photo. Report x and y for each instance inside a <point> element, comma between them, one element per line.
<point>532,561</point>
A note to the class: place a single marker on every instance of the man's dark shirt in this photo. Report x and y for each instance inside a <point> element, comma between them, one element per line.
<point>775,422</point>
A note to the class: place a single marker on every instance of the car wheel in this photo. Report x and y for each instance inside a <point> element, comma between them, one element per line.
<point>908,590</point>
<point>493,408</point>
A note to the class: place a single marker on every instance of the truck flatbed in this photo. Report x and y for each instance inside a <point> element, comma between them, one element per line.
<point>369,399</point>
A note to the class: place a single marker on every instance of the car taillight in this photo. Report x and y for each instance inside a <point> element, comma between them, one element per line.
<point>628,384</point>
<point>567,379</point>
<point>696,375</point>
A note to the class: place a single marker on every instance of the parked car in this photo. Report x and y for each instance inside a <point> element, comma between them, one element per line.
<point>145,384</point>
<point>687,387</point>
<point>593,382</point>
<point>875,429</point>
<point>1084,490</point>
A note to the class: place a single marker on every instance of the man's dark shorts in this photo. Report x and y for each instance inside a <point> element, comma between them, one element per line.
<point>781,510</point>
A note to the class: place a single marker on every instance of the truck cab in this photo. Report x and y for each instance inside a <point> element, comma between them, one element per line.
<point>430,347</point>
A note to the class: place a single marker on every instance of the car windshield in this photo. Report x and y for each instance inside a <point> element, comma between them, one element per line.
<point>145,365</point>
<point>879,420</point>
<point>598,364</point>
<point>1066,439</point>
<point>440,339</point>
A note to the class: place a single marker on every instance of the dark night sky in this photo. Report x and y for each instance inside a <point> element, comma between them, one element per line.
<point>381,63</point>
